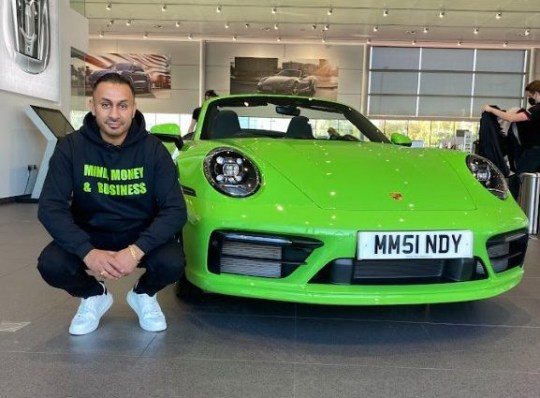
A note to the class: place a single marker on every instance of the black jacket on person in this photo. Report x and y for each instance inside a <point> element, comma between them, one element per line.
<point>93,186</point>
<point>492,142</point>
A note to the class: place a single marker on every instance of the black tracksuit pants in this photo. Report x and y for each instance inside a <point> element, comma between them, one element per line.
<point>164,265</point>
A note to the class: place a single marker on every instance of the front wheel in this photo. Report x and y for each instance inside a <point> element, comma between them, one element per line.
<point>185,290</point>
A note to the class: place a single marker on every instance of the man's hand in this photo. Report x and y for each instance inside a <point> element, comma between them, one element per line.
<point>126,261</point>
<point>487,108</point>
<point>104,263</point>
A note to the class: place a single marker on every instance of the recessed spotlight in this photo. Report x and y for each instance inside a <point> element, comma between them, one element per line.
<point>190,36</point>
<point>426,29</point>
<point>164,8</point>
<point>476,31</point>
<point>145,36</point>
<point>101,34</point>
<point>385,13</point>
<point>234,38</point>
<point>498,15</point>
<point>330,11</point>
<point>246,26</point>
<point>108,7</point>
<point>276,26</point>
<point>527,32</point>
<point>128,22</point>
<point>218,9</point>
<point>177,24</point>
<point>505,44</point>
<point>459,43</point>
<point>227,26</point>
<point>413,42</point>
<point>368,41</point>
<point>376,28</point>
<point>323,40</point>
<point>278,38</point>
<point>313,26</point>
<point>442,14</point>
<point>274,10</point>
<point>326,27</point>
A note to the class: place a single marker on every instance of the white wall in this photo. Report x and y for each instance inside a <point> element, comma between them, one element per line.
<point>21,143</point>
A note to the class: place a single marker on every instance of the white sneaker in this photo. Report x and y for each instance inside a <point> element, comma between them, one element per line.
<point>147,308</point>
<point>90,311</point>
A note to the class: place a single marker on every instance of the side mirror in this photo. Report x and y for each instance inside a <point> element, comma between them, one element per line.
<point>170,135</point>
<point>400,139</point>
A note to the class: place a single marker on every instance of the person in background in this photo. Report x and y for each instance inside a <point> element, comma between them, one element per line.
<point>196,112</point>
<point>528,124</point>
<point>112,202</point>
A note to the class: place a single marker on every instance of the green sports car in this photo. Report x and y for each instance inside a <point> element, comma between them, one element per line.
<point>305,200</point>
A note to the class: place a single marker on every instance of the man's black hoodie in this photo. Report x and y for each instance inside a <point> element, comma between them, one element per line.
<point>93,186</point>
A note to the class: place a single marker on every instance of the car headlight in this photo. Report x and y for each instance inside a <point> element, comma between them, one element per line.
<point>232,173</point>
<point>488,175</point>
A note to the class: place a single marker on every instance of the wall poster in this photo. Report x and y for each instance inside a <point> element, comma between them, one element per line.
<point>307,77</point>
<point>149,73</point>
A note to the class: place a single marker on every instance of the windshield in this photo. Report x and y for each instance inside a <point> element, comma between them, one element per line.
<point>290,73</point>
<point>285,117</point>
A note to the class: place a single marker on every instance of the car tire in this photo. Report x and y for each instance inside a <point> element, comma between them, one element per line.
<point>294,89</point>
<point>187,291</point>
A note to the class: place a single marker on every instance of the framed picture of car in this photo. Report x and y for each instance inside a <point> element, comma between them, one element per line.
<point>305,77</point>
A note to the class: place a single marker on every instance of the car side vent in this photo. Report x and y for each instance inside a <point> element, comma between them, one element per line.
<point>262,255</point>
<point>507,251</point>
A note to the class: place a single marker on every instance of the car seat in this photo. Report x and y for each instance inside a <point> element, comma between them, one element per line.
<point>226,124</point>
<point>299,127</point>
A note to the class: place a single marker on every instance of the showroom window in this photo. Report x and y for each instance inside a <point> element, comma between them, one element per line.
<point>443,83</point>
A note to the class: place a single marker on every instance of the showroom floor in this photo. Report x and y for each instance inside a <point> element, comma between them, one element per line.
<point>228,347</point>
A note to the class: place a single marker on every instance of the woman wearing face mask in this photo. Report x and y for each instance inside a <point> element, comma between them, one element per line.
<point>528,124</point>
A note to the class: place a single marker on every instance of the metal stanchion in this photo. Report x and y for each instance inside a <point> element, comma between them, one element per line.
<point>529,199</point>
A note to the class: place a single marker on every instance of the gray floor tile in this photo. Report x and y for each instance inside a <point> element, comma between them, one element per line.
<point>314,381</point>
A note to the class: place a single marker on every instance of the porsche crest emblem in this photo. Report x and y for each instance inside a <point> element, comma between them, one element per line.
<point>396,196</point>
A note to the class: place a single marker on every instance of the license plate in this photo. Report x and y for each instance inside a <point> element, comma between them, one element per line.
<point>414,244</point>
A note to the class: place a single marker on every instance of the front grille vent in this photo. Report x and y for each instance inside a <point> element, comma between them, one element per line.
<point>262,255</point>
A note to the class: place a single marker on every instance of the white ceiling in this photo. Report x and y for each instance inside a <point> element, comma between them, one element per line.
<point>416,22</point>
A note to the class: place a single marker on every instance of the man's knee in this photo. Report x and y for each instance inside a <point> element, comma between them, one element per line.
<point>55,261</point>
<point>168,260</point>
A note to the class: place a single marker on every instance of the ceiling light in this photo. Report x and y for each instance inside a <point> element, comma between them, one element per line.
<point>426,29</point>
<point>368,41</point>
<point>190,36</point>
<point>177,24</point>
<point>476,31</point>
<point>527,32</point>
<point>247,26</point>
<point>227,26</point>
<point>313,26</point>
<point>498,15</point>
<point>128,22</point>
<point>101,34</point>
<point>278,38</point>
<point>385,13</point>
<point>109,6</point>
<point>330,11</point>
<point>505,44</point>
<point>276,26</point>
<point>218,9</point>
<point>413,42</point>
<point>274,10</point>
<point>323,40</point>
<point>459,43</point>
<point>326,27</point>
<point>441,14</point>
<point>145,36</point>
<point>164,8</point>
<point>375,28</point>
<point>111,22</point>
<point>234,38</point>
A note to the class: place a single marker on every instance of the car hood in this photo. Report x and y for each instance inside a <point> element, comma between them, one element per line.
<point>276,79</point>
<point>365,176</point>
